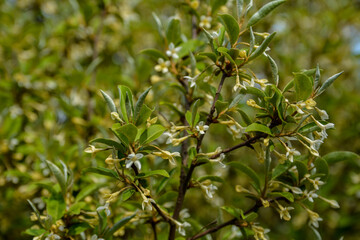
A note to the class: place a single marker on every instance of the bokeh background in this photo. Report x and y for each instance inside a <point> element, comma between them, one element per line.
<point>55,55</point>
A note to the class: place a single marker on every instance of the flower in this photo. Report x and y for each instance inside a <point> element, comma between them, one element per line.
<point>322,113</point>
<point>314,218</point>
<point>284,212</point>
<point>167,155</point>
<point>192,80</point>
<point>205,22</point>
<point>252,103</point>
<point>116,116</point>
<point>146,204</point>
<point>201,128</point>
<point>95,237</point>
<point>316,182</point>
<point>323,128</point>
<point>259,232</point>
<point>111,160</point>
<point>291,152</point>
<point>184,213</point>
<point>310,195</point>
<point>172,51</point>
<point>219,159</point>
<point>238,84</point>
<point>209,189</point>
<point>162,66</point>
<point>92,149</point>
<point>52,236</point>
<point>105,208</point>
<point>181,227</point>
<point>333,203</point>
<point>134,159</point>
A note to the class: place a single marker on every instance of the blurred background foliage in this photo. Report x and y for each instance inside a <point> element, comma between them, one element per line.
<point>55,55</point>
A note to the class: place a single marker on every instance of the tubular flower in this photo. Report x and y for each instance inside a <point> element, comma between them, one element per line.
<point>314,218</point>
<point>259,232</point>
<point>181,227</point>
<point>208,188</point>
<point>192,80</point>
<point>284,212</point>
<point>147,204</point>
<point>310,195</point>
<point>291,152</point>
<point>167,155</point>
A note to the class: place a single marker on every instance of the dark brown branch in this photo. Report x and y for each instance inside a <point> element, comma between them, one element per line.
<point>209,118</point>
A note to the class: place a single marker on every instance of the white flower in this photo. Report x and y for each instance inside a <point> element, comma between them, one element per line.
<point>316,182</point>
<point>323,128</point>
<point>209,189</point>
<point>52,236</point>
<point>219,159</point>
<point>322,113</point>
<point>95,237</point>
<point>238,85</point>
<point>172,51</point>
<point>192,80</point>
<point>201,128</point>
<point>134,159</point>
<point>310,195</point>
<point>171,136</point>
<point>236,130</point>
<point>205,22</point>
<point>333,203</point>
<point>105,208</point>
<point>146,204</point>
<point>181,227</point>
<point>291,152</point>
<point>184,213</point>
<point>284,212</point>
<point>167,155</point>
<point>162,66</point>
<point>259,232</point>
<point>92,149</point>
<point>314,218</point>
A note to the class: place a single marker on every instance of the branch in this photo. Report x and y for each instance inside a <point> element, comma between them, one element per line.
<point>247,143</point>
<point>233,221</point>
<point>209,118</point>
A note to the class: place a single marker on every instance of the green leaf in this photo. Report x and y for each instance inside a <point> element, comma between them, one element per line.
<point>77,228</point>
<point>118,225</point>
<point>235,101</point>
<point>221,36</point>
<point>55,206</point>
<point>280,169</point>
<point>245,117</point>
<point>211,40</point>
<point>288,86</point>
<point>239,8</point>
<point>126,194</point>
<point>286,195</point>
<point>301,168</point>
<point>108,142</point>
<point>173,31</point>
<point>254,91</point>
<point>188,117</point>
<point>145,113</point>
<point>248,171</point>
<point>235,212</point>
<point>151,134</point>
<point>322,168</point>
<point>159,172</point>
<point>102,171</point>
<point>226,54</point>
<point>212,178</point>
<point>216,4</point>
<point>172,107</point>
<point>274,70</point>
<point>251,217</point>
<point>86,191</point>
<point>261,49</point>
<point>252,41</point>
<point>327,83</point>
<point>58,175</point>
<point>317,76</point>
<point>76,208</point>
<point>123,92</point>
<point>303,86</point>
<point>220,106</point>
<point>195,116</point>
<point>257,127</point>
<point>263,11</point>
<point>109,101</point>
<point>34,209</point>
<point>127,133</point>
<point>34,231</point>
<point>231,26</point>
<point>210,55</point>
<point>153,53</point>
<point>339,156</point>
<point>140,103</point>
<point>158,24</point>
